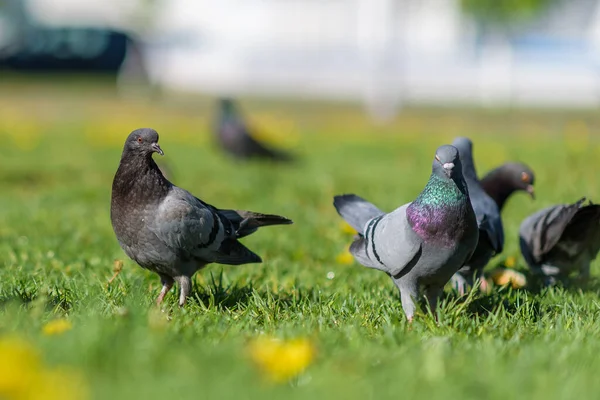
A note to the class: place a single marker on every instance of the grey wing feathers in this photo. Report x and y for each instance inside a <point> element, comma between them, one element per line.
<point>187,226</point>
<point>195,229</point>
<point>492,226</point>
<point>387,244</point>
<point>355,210</point>
<point>488,215</point>
<point>542,231</point>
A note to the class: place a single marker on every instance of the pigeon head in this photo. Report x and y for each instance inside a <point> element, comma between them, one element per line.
<point>143,142</point>
<point>447,162</point>
<point>520,177</point>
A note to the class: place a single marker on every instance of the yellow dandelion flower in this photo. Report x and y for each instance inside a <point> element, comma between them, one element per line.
<point>510,262</point>
<point>282,360</point>
<point>20,364</point>
<point>511,277</point>
<point>344,258</point>
<point>23,375</point>
<point>346,228</point>
<point>57,327</point>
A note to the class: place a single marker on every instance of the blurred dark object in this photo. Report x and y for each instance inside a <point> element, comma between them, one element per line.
<point>38,49</point>
<point>235,137</point>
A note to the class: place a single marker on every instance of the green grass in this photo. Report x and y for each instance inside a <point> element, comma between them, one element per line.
<point>60,149</point>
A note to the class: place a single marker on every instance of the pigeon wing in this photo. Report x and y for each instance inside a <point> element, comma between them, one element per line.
<point>189,227</point>
<point>387,243</point>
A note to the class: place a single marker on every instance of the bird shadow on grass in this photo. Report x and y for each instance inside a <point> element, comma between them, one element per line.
<point>217,295</point>
<point>233,297</point>
<point>503,301</point>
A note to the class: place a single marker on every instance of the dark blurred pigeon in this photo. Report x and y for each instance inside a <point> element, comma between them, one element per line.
<point>422,243</point>
<point>167,230</point>
<point>503,181</point>
<point>561,239</point>
<point>234,136</point>
<point>491,233</point>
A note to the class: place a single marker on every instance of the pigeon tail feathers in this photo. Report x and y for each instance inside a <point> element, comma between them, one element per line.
<point>355,210</point>
<point>247,222</point>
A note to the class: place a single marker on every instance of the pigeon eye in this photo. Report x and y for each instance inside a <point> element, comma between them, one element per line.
<point>437,157</point>
<point>524,176</point>
<point>140,139</point>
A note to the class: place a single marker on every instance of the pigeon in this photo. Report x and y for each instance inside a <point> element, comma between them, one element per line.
<point>561,239</point>
<point>422,243</point>
<point>491,232</point>
<point>235,138</point>
<point>503,181</point>
<point>167,230</point>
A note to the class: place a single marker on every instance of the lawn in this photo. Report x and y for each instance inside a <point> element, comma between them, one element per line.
<point>61,145</point>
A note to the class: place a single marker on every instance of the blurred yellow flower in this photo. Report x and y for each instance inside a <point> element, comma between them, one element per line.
<point>504,277</point>
<point>346,228</point>
<point>344,258</point>
<point>510,262</point>
<point>57,327</point>
<point>24,377</point>
<point>282,360</point>
<point>20,364</point>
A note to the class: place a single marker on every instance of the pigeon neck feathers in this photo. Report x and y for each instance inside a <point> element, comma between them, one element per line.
<point>138,177</point>
<point>437,213</point>
<point>503,181</point>
<point>497,185</point>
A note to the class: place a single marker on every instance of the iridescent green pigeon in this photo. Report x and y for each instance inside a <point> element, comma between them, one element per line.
<point>422,243</point>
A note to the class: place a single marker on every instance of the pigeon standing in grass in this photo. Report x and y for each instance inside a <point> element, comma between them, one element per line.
<point>491,233</point>
<point>234,136</point>
<point>167,230</point>
<point>561,239</point>
<point>420,244</point>
<point>503,181</point>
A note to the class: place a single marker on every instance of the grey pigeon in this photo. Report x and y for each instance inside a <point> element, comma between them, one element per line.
<point>234,136</point>
<point>508,178</point>
<point>561,239</point>
<point>422,243</point>
<point>491,232</point>
<point>167,230</point>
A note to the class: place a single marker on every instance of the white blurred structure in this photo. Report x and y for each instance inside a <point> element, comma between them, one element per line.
<point>384,52</point>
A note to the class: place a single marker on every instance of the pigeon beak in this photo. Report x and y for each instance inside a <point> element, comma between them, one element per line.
<point>531,191</point>
<point>448,166</point>
<point>157,149</point>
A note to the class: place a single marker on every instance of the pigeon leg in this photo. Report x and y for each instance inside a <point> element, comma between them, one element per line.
<point>409,293</point>
<point>167,283</point>
<point>484,286</point>
<point>459,283</point>
<point>185,283</point>
<point>433,294</point>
